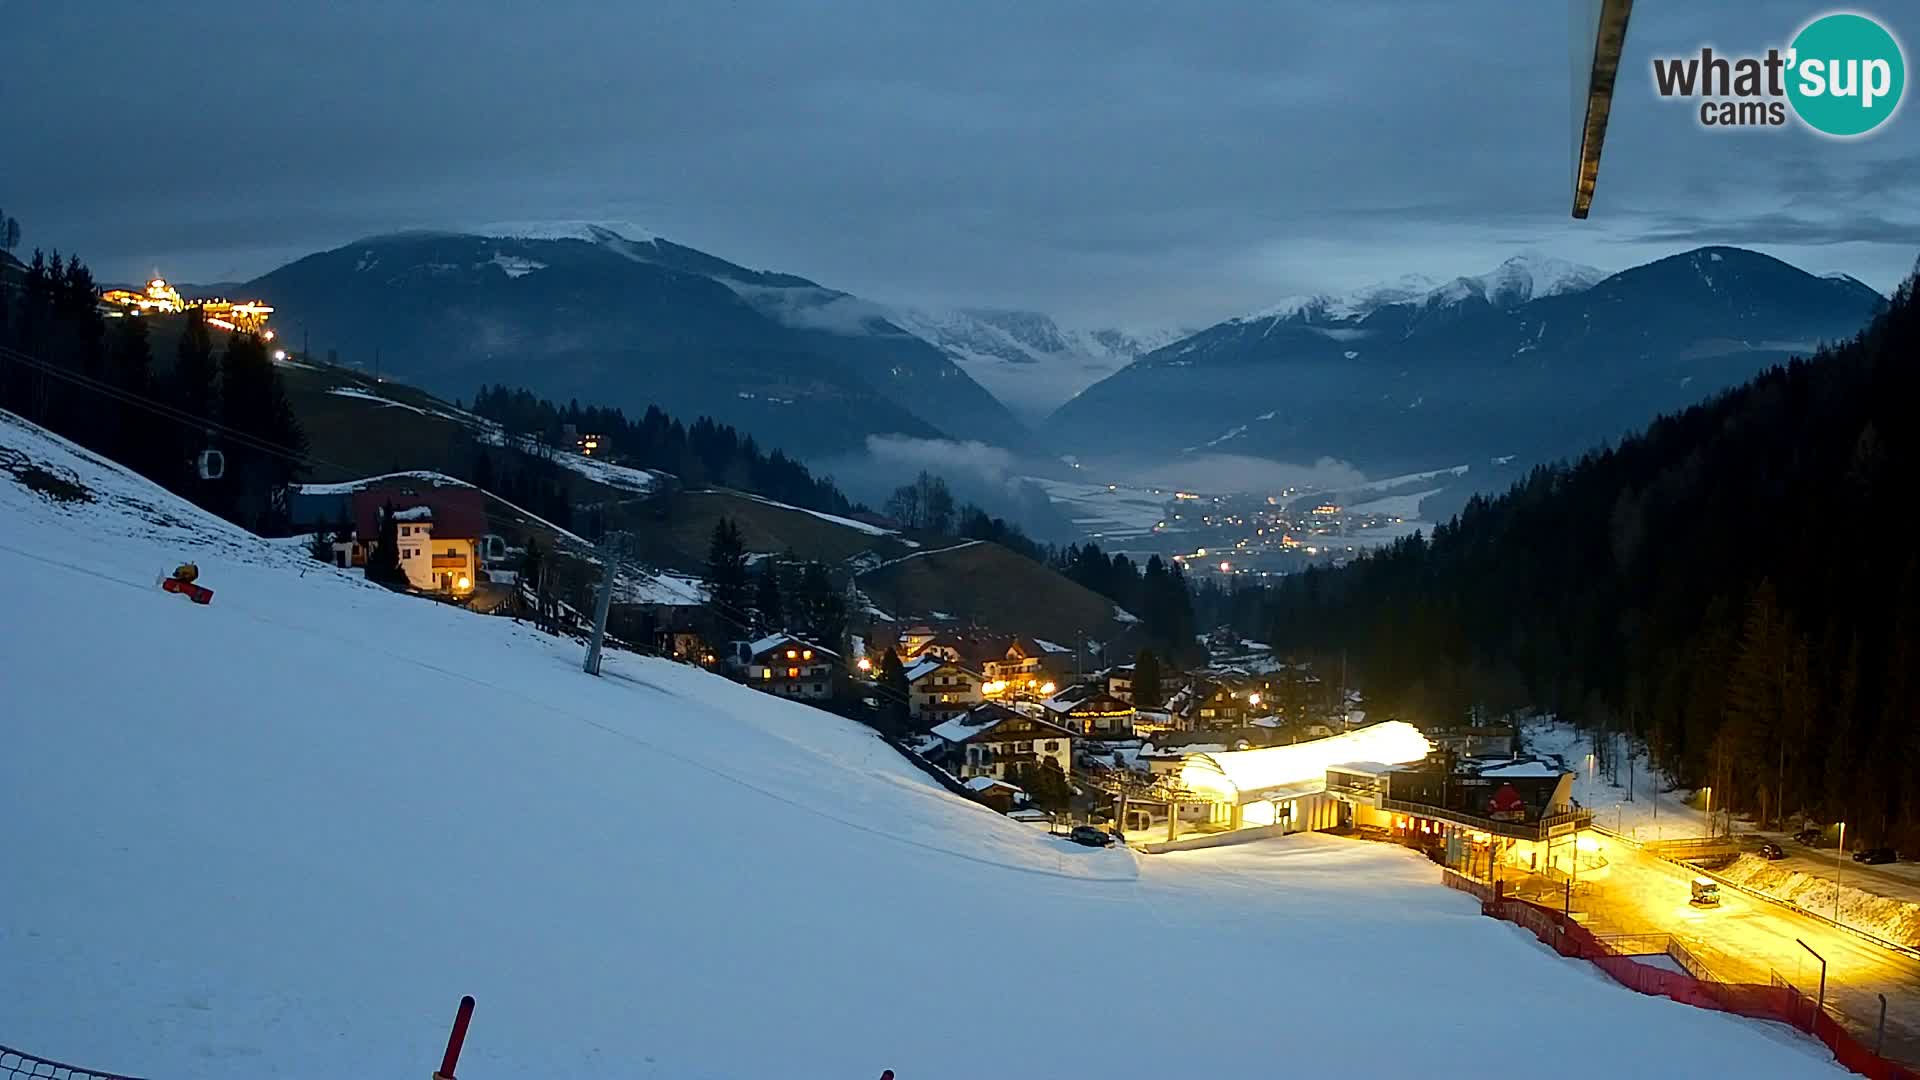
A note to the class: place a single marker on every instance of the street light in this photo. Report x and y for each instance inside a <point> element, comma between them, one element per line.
<point>1708,792</point>
<point>1821,1005</point>
<point>1837,867</point>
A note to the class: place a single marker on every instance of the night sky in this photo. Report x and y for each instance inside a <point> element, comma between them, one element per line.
<point>1111,162</point>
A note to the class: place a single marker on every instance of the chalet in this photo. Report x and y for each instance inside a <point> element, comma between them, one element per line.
<point>996,794</point>
<point>439,531</point>
<point>1029,667</point>
<point>1222,704</point>
<point>1119,681</point>
<point>915,638</point>
<point>785,666</point>
<point>1092,712</point>
<point>995,741</point>
<point>939,647</point>
<point>939,691</point>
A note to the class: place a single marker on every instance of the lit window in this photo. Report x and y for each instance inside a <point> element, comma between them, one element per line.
<point>790,654</point>
<point>807,655</point>
<point>793,673</point>
<point>766,673</point>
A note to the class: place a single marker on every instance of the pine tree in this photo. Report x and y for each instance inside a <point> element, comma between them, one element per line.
<point>192,388</point>
<point>767,606</point>
<point>383,563</point>
<point>1146,680</point>
<point>819,609</point>
<point>895,716</point>
<point>726,574</point>
<point>1046,785</point>
<point>140,437</point>
<point>7,288</point>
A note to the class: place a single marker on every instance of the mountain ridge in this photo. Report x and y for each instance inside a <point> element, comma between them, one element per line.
<point>1547,375</point>
<point>592,313</point>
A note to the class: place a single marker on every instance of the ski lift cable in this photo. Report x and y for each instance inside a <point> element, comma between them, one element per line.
<point>166,411</point>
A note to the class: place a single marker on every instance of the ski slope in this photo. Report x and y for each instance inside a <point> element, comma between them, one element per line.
<point>281,835</point>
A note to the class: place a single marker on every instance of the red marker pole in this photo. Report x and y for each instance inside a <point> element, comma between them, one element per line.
<point>456,1039</point>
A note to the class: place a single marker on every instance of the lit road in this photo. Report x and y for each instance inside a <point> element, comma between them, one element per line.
<point>1897,881</point>
<point>1745,940</point>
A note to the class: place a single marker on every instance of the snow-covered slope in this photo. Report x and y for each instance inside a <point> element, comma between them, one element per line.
<point>1514,282</point>
<point>280,835</point>
<point>1027,359</point>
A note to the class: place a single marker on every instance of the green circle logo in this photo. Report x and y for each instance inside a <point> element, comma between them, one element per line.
<point>1847,74</point>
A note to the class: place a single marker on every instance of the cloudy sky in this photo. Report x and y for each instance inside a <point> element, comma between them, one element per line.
<point>1111,161</point>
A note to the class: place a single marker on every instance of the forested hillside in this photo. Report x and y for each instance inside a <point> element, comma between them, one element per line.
<point>1732,584</point>
<point>704,452</point>
<point>211,422</point>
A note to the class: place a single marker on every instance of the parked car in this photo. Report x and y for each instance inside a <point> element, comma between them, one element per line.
<point>1090,836</point>
<point>1771,850</point>
<point>1810,837</point>
<point>1875,855</point>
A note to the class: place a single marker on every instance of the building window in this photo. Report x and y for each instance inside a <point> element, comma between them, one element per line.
<point>819,688</point>
<point>1022,748</point>
<point>793,673</point>
<point>1053,745</point>
<point>406,530</point>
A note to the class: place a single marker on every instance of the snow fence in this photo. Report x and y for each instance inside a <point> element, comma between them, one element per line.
<point>1778,1001</point>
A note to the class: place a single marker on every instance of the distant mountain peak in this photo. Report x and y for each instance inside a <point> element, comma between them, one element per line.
<point>593,232</point>
<point>1524,277</point>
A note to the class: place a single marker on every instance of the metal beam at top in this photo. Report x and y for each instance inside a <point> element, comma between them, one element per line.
<point>1608,39</point>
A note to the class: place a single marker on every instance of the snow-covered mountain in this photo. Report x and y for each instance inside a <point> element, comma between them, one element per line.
<point>618,316</point>
<point>1027,359</point>
<point>1539,358</point>
<point>1514,282</point>
<point>280,836</point>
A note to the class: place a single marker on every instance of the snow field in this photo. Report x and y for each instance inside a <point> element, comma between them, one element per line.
<point>281,835</point>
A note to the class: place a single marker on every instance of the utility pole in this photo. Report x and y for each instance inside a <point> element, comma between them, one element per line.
<point>1837,852</point>
<point>609,544</point>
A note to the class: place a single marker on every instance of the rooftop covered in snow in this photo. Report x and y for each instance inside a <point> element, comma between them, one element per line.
<point>1245,775</point>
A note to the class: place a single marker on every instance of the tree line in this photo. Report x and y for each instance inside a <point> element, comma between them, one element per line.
<point>704,452</point>
<point>95,380</point>
<point>783,596</point>
<point>1155,592</point>
<point>1730,587</point>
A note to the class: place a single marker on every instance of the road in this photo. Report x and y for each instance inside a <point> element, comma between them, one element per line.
<point>1898,880</point>
<point>1746,940</point>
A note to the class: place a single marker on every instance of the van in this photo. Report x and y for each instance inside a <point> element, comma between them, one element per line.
<point>1706,892</point>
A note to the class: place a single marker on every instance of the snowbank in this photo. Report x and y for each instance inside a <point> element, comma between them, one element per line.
<point>280,835</point>
<point>1638,816</point>
<point>1895,920</point>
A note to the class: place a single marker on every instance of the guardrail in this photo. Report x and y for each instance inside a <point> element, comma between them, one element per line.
<point>1864,935</point>
<point>1536,831</point>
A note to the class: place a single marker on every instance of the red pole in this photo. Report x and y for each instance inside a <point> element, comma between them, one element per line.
<point>456,1039</point>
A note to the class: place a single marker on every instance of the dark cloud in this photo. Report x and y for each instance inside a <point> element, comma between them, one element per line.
<point>1688,230</point>
<point>1113,161</point>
